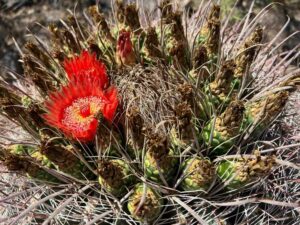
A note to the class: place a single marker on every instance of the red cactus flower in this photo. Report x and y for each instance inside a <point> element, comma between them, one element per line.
<point>74,109</point>
<point>125,54</point>
<point>86,66</point>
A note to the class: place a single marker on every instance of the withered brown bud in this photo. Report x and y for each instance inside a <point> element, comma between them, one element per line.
<point>174,24</point>
<point>233,115</point>
<point>59,55</point>
<point>95,14</point>
<point>166,8</point>
<point>178,52</point>
<point>64,157</point>
<point>77,26</point>
<point>16,163</point>
<point>183,113</point>
<point>200,56</point>
<point>71,41</point>
<point>222,83</point>
<point>94,48</point>
<point>136,125</point>
<point>132,17</point>
<point>152,43</point>
<point>99,18</point>
<point>214,12</point>
<point>38,75</point>
<point>38,53</point>
<point>186,91</point>
<point>158,145</point>
<point>120,11</point>
<point>34,112</point>
<point>111,173</point>
<point>211,31</point>
<point>247,52</point>
<point>22,164</point>
<point>57,33</point>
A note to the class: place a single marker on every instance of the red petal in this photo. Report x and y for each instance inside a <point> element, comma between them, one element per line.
<point>109,109</point>
<point>86,66</point>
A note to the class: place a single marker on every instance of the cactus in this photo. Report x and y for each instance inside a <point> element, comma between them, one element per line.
<point>149,120</point>
<point>64,159</point>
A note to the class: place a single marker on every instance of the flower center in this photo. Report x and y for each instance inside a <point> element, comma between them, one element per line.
<point>79,115</point>
<point>85,111</point>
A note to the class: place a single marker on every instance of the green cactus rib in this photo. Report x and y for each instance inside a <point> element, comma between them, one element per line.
<point>145,205</point>
<point>226,171</point>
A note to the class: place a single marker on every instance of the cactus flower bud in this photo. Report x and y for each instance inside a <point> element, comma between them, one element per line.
<point>125,54</point>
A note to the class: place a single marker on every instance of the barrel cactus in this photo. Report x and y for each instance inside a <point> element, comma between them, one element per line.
<point>150,118</point>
